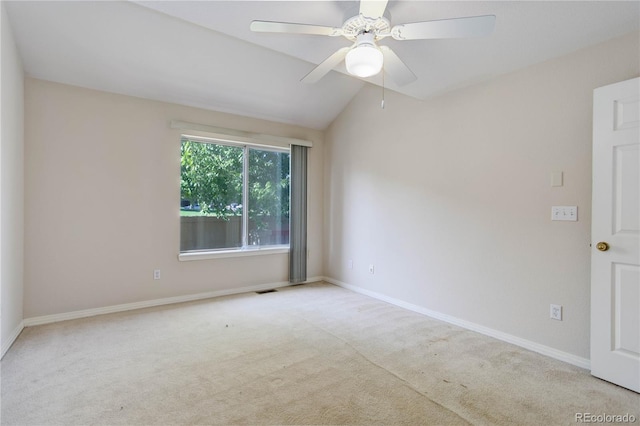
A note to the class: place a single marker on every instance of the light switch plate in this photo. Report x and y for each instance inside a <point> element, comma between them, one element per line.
<point>569,213</point>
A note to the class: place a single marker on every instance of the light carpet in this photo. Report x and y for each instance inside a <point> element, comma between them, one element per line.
<point>311,354</point>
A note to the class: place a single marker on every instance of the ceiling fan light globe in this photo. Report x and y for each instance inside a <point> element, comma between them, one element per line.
<point>364,61</point>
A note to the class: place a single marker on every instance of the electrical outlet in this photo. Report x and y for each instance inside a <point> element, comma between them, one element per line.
<point>156,274</point>
<point>350,264</point>
<point>555,312</point>
<point>371,269</point>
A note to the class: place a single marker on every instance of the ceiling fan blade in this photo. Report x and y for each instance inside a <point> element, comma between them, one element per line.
<point>327,65</point>
<point>286,27</point>
<point>398,70</point>
<point>476,26</point>
<point>373,9</point>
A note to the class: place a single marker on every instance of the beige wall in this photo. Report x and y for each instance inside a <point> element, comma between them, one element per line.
<point>102,188</point>
<point>11,186</point>
<point>450,198</point>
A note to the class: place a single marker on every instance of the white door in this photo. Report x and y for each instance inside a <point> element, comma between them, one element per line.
<point>615,233</point>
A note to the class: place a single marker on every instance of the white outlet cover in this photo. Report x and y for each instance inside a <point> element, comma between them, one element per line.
<point>555,312</point>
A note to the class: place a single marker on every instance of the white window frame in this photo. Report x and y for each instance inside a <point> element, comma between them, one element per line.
<point>230,137</point>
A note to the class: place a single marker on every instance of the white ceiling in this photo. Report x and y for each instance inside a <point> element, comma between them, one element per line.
<point>201,53</point>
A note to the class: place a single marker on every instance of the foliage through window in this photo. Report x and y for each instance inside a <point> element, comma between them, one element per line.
<point>232,197</point>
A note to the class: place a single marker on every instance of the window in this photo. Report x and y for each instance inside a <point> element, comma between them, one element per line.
<point>232,197</point>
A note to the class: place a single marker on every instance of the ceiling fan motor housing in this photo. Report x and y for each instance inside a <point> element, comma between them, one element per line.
<point>359,24</point>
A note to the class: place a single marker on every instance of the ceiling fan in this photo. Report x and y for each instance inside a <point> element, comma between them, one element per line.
<point>365,57</point>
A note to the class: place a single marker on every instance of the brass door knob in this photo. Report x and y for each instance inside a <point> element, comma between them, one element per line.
<point>602,246</point>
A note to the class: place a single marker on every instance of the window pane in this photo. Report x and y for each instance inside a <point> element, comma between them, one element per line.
<point>268,197</point>
<point>210,196</point>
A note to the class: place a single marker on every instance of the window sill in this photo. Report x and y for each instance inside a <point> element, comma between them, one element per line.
<point>219,254</point>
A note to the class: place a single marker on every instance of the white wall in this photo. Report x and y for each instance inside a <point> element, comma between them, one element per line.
<point>102,190</point>
<point>450,198</point>
<point>11,186</point>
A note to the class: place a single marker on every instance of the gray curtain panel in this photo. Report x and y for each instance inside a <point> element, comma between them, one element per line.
<point>298,215</point>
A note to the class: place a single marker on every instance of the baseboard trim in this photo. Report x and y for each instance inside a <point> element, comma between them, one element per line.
<point>48,319</point>
<point>6,345</point>
<point>505,337</point>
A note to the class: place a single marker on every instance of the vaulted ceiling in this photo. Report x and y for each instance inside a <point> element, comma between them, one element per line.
<point>202,53</point>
